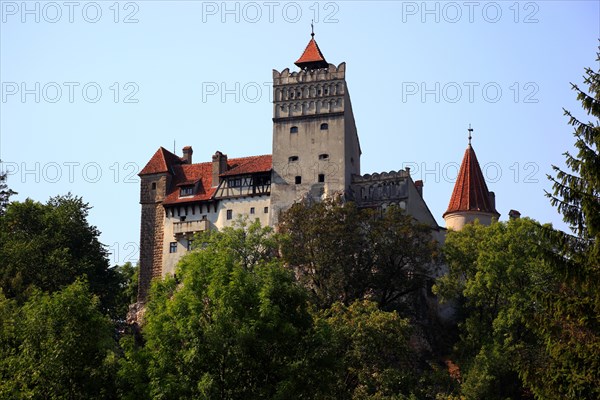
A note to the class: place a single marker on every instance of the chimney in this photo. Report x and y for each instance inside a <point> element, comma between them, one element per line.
<point>219,165</point>
<point>187,154</point>
<point>419,186</point>
<point>514,214</point>
<point>493,200</point>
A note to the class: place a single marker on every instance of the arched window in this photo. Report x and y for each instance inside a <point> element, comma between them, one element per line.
<point>294,129</point>
<point>324,126</point>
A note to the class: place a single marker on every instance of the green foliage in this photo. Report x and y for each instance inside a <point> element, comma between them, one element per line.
<point>126,287</point>
<point>49,246</point>
<point>56,346</point>
<point>132,381</point>
<point>233,326</point>
<point>516,337</point>
<point>374,360</point>
<point>5,192</point>
<point>577,194</point>
<point>343,253</point>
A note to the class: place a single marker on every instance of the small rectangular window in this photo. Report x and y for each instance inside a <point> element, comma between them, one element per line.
<point>229,214</point>
<point>235,182</point>
<point>173,247</point>
<point>186,191</point>
<point>321,178</point>
<point>153,186</point>
<point>251,210</point>
<point>266,210</point>
<point>189,244</point>
<point>298,180</point>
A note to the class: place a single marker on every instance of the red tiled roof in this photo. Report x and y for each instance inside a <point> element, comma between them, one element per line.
<point>248,165</point>
<point>312,56</point>
<point>160,162</point>
<point>191,172</point>
<point>470,191</point>
<point>202,172</point>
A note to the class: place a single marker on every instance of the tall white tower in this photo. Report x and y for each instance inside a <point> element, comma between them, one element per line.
<point>315,143</point>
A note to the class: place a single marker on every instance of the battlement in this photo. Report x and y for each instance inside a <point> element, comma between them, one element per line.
<point>378,177</point>
<point>309,92</point>
<point>286,77</point>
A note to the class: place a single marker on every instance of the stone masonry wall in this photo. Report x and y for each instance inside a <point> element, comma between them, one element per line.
<point>151,231</point>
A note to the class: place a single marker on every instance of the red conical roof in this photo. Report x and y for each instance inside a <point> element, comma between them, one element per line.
<point>470,191</point>
<point>312,58</point>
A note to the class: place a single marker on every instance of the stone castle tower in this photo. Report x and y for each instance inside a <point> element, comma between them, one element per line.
<point>316,150</point>
<point>471,198</point>
<point>155,180</point>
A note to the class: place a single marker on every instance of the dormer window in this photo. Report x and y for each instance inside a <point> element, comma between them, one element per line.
<point>293,159</point>
<point>324,126</point>
<point>294,129</point>
<point>186,191</point>
<point>235,182</point>
<point>323,156</point>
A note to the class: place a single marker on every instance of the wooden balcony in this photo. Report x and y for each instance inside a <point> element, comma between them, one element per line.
<point>189,227</point>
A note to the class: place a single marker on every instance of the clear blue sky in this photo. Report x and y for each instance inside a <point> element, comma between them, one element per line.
<point>418,74</point>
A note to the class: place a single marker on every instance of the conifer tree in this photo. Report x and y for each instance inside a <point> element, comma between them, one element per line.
<point>577,193</point>
<point>5,192</point>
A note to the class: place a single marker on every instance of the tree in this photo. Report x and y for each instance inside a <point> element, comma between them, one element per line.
<point>571,328</point>
<point>343,253</point>
<point>127,276</point>
<point>577,194</point>
<point>5,192</point>
<point>56,346</point>
<point>513,340</point>
<point>233,325</point>
<point>49,246</point>
<point>373,354</point>
<point>492,273</point>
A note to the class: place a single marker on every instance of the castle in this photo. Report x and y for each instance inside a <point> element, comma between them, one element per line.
<point>316,153</point>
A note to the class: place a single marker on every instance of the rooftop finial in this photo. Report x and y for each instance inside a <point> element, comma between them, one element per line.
<point>470,131</point>
<point>312,28</point>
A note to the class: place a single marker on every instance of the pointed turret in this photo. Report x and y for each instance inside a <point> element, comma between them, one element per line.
<point>312,58</point>
<point>471,198</point>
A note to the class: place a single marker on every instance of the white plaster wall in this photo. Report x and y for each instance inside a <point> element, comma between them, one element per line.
<point>241,207</point>
<point>456,221</point>
<point>216,220</point>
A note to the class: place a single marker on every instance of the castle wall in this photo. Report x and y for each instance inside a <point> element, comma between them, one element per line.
<point>417,206</point>
<point>152,192</point>
<point>214,220</point>
<point>456,221</point>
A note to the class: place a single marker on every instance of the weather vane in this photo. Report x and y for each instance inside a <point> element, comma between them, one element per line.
<point>470,131</point>
<point>312,28</point>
